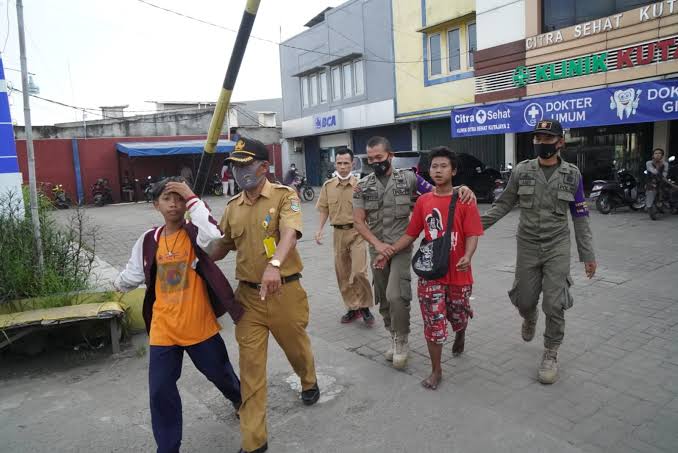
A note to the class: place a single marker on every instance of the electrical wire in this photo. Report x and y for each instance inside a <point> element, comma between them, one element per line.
<point>270,41</point>
<point>135,119</point>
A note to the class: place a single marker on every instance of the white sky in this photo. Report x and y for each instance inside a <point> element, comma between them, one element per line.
<point>90,53</point>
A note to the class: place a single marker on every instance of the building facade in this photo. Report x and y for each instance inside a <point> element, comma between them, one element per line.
<point>338,86</point>
<point>435,47</point>
<point>608,71</point>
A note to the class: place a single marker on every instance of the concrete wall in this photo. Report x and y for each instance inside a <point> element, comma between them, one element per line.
<point>194,122</point>
<point>358,26</point>
<point>418,94</point>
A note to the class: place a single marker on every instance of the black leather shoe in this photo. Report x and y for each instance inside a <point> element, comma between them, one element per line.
<point>236,406</point>
<point>311,396</point>
<point>261,449</point>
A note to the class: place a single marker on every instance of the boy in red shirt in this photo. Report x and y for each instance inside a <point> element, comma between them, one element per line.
<point>447,298</point>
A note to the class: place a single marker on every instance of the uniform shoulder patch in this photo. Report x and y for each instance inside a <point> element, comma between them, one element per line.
<point>234,197</point>
<point>283,187</point>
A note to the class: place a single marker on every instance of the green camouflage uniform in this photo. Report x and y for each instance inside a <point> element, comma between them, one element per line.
<point>387,215</point>
<point>543,258</point>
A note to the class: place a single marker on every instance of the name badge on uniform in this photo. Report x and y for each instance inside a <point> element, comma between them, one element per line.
<point>269,247</point>
<point>269,241</point>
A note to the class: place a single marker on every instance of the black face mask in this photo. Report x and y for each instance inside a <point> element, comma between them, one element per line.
<point>380,168</point>
<point>545,150</point>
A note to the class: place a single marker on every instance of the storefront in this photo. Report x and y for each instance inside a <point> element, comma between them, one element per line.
<point>489,149</point>
<point>607,72</point>
<point>606,128</point>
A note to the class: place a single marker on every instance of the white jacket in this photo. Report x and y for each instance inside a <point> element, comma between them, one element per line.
<point>208,231</point>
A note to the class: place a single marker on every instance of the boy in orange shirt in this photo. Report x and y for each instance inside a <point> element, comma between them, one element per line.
<point>185,293</point>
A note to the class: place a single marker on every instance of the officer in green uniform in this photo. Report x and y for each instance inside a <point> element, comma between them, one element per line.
<point>382,203</point>
<point>546,188</point>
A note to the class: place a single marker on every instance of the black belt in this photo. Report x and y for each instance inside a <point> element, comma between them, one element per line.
<point>288,279</point>
<point>348,226</point>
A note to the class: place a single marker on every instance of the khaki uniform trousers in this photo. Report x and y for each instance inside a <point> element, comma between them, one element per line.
<point>350,265</point>
<point>544,270</point>
<point>393,293</point>
<point>285,315</point>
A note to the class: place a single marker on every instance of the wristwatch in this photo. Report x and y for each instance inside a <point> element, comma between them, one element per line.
<point>275,263</point>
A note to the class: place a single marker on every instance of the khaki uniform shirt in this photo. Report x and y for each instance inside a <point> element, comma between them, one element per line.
<point>336,199</point>
<point>544,206</point>
<point>387,208</point>
<point>244,230</point>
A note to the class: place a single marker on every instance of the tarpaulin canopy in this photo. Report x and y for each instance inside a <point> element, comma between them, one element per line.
<point>149,149</point>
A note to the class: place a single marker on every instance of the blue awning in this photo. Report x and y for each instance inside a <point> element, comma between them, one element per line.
<point>150,149</point>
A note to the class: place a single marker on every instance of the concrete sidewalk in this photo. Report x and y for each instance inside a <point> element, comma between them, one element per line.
<point>103,406</point>
<point>618,389</point>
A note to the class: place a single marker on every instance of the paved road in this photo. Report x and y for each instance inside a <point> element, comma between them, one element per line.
<point>619,364</point>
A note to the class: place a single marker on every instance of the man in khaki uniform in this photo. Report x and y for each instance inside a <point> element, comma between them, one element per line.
<point>263,224</point>
<point>382,203</point>
<point>350,249</point>
<point>546,188</point>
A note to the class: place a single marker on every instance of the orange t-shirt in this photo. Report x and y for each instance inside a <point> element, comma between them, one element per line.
<point>182,314</point>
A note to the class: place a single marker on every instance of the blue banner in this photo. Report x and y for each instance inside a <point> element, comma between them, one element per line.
<point>626,104</point>
<point>8,159</point>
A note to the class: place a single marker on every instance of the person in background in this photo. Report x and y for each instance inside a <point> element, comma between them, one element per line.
<point>227,179</point>
<point>350,249</point>
<point>657,169</point>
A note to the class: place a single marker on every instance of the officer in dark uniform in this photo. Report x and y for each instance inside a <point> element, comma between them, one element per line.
<point>546,188</point>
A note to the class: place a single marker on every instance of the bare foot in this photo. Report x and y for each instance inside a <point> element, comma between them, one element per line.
<point>459,340</point>
<point>432,381</point>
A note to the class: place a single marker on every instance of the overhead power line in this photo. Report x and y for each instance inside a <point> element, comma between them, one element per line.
<point>270,41</point>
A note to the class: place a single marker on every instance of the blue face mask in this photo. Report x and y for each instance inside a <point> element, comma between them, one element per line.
<point>246,177</point>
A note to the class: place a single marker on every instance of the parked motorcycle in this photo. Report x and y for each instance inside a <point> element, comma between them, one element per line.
<point>500,184</point>
<point>128,190</point>
<point>303,188</point>
<point>666,199</point>
<point>61,198</point>
<point>148,188</point>
<point>101,192</point>
<point>214,186</point>
<point>618,192</point>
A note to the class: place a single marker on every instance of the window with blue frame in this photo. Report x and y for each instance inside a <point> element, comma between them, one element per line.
<point>435,54</point>
<point>450,50</point>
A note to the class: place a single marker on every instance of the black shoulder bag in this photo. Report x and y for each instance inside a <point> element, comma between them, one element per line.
<point>433,257</point>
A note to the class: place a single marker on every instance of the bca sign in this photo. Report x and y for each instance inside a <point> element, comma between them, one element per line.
<point>327,121</point>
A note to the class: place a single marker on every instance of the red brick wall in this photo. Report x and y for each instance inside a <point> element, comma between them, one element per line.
<point>53,163</point>
<point>100,159</point>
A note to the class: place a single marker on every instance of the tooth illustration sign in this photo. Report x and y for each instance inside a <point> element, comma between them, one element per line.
<point>224,101</point>
<point>625,101</point>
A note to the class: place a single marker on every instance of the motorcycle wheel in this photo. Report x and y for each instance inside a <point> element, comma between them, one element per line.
<point>639,203</point>
<point>603,204</point>
<point>308,193</point>
<point>653,212</point>
<point>98,200</point>
<point>218,190</point>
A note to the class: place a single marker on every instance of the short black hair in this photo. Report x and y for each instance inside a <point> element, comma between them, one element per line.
<point>342,151</point>
<point>443,151</point>
<point>159,187</point>
<point>377,140</point>
<point>659,149</point>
